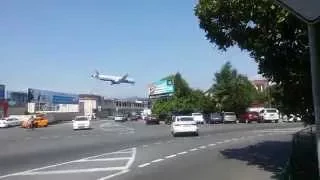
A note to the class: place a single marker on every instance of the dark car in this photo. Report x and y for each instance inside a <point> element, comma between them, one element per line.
<point>215,118</point>
<point>249,117</point>
<point>152,120</point>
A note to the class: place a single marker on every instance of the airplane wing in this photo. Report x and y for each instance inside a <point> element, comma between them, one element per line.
<point>124,77</point>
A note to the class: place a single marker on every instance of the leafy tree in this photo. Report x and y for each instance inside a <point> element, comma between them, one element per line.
<point>276,39</point>
<point>184,101</point>
<point>232,91</point>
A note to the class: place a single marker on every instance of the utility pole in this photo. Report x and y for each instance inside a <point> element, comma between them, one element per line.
<point>314,45</point>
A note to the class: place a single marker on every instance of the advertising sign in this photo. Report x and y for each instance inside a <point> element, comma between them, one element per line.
<point>50,97</point>
<point>162,88</point>
<point>2,91</point>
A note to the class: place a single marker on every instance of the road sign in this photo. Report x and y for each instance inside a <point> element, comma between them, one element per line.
<point>307,10</point>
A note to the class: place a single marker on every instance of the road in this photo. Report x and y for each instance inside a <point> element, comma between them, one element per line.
<point>133,150</point>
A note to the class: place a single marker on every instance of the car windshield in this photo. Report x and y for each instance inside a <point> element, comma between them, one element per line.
<point>186,119</point>
<point>271,110</point>
<point>215,115</point>
<point>229,114</point>
<point>81,119</point>
<point>196,114</point>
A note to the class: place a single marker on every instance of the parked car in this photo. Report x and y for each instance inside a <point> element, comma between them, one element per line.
<point>198,117</point>
<point>152,120</point>
<point>215,118</point>
<point>120,118</point>
<point>81,122</point>
<point>269,115</point>
<point>9,122</point>
<point>184,125</point>
<point>229,117</point>
<point>249,117</point>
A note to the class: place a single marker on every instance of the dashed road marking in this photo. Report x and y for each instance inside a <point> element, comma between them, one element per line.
<point>157,160</point>
<point>145,146</point>
<point>219,142</point>
<point>144,165</point>
<point>226,141</point>
<point>202,147</point>
<point>194,149</point>
<point>170,156</point>
<point>183,152</point>
<point>157,143</point>
<point>211,144</point>
<point>234,139</point>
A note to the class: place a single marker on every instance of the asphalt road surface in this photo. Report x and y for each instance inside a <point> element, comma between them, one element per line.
<point>133,150</point>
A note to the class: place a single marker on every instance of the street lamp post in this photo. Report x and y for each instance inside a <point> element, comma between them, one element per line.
<point>314,43</point>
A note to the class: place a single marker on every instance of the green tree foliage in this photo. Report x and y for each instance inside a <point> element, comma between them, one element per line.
<point>184,101</point>
<point>232,91</point>
<point>276,39</point>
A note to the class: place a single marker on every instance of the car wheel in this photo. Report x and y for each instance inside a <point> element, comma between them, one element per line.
<point>276,121</point>
<point>196,134</point>
<point>246,121</point>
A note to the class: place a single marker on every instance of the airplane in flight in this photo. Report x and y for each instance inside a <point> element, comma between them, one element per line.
<point>113,79</point>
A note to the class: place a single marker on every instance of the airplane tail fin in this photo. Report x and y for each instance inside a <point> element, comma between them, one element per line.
<point>96,74</point>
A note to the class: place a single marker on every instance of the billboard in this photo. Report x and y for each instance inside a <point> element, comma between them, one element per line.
<point>2,91</point>
<point>51,97</point>
<point>163,87</point>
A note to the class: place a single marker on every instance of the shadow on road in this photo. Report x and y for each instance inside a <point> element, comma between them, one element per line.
<point>269,155</point>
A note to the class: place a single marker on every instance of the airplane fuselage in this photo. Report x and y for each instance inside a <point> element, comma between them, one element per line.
<point>115,79</point>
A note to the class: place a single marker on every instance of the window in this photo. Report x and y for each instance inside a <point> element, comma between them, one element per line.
<point>186,119</point>
<point>271,111</point>
<point>229,114</point>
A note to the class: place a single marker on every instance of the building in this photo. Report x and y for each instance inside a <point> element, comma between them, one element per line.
<point>260,84</point>
<point>17,101</point>
<point>102,107</point>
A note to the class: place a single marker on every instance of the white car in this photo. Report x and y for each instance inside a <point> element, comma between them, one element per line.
<point>81,122</point>
<point>119,118</point>
<point>270,114</point>
<point>9,122</point>
<point>183,125</point>
<point>198,117</point>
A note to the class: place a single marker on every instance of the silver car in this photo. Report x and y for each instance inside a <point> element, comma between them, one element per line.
<point>229,117</point>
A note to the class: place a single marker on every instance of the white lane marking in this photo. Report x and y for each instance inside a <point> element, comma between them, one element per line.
<point>202,147</point>
<point>211,144</point>
<point>157,143</point>
<point>145,146</point>
<point>219,142</point>
<point>144,165</point>
<point>44,137</point>
<point>115,174</point>
<point>183,152</point>
<point>106,159</point>
<point>234,139</point>
<point>157,160</point>
<point>69,162</point>
<point>170,156</point>
<point>194,149</point>
<point>75,171</point>
<point>226,141</point>
<point>260,134</point>
<point>133,157</point>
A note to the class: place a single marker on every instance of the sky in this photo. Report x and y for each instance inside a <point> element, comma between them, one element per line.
<point>57,44</point>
